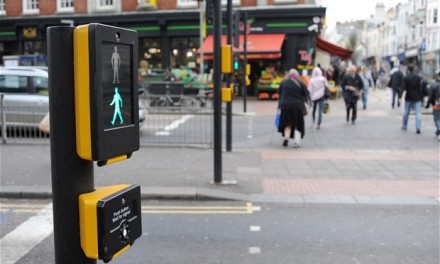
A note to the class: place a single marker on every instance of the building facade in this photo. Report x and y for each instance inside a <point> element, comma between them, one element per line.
<point>169,30</point>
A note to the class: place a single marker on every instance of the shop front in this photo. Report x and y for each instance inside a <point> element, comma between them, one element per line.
<point>170,39</point>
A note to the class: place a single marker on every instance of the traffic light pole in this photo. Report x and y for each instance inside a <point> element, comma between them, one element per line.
<point>245,63</point>
<point>228,81</point>
<point>217,32</point>
<point>71,176</point>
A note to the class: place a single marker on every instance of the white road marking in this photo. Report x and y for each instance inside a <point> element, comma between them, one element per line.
<point>22,239</point>
<point>175,124</point>
<point>256,208</point>
<point>255,228</point>
<point>254,250</point>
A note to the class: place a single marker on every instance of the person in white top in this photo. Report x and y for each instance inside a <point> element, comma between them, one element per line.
<point>316,89</point>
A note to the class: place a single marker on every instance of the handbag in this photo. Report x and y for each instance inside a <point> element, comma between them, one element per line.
<point>326,93</point>
<point>326,108</point>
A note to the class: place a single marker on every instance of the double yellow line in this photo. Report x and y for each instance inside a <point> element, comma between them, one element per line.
<point>240,209</point>
<point>246,209</point>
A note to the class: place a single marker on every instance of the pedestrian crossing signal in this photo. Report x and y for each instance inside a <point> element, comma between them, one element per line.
<point>106,97</point>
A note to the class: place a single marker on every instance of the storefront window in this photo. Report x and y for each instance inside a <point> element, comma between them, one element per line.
<point>33,47</point>
<point>151,51</point>
<point>183,52</point>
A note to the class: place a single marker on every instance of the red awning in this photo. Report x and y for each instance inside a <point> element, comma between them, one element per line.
<point>259,46</point>
<point>342,53</point>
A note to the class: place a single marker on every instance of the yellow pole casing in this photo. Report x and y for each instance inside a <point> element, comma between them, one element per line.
<point>227,94</point>
<point>88,219</point>
<point>248,69</point>
<point>82,92</point>
<point>227,59</point>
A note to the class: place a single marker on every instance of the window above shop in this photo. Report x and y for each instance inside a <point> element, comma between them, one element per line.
<point>284,2</point>
<point>186,4</point>
<point>2,8</point>
<point>31,7</point>
<point>65,6</point>
<point>105,5</point>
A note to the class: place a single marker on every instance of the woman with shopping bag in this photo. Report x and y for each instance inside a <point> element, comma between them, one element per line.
<point>293,96</point>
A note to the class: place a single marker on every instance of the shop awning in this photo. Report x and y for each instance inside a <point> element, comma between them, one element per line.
<point>332,49</point>
<point>259,46</point>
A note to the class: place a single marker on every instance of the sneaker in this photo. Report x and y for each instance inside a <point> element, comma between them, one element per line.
<point>353,122</point>
<point>295,145</point>
<point>318,127</point>
<point>418,131</point>
<point>285,143</point>
<point>404,128</point>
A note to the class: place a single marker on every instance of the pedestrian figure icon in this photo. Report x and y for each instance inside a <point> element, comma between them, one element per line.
<point>116,63</point>
<point>117,101</point>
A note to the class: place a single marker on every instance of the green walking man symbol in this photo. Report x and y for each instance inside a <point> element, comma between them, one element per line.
<point>117,101</point>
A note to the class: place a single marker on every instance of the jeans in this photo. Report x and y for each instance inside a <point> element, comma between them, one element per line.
<point>319,102</point>
<point>417,106</point>
<point>436,115</point>
<point>365,97</point>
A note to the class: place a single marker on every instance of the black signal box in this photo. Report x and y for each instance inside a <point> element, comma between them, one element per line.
<point>110,220</point>
<point>106,93</point>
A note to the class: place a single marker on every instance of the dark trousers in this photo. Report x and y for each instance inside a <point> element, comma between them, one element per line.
<point>351,105</point>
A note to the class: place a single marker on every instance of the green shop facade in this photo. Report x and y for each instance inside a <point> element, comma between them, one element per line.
<point>171,38</point>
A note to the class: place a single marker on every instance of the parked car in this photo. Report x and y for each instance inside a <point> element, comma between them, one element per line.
<point>25,95</point>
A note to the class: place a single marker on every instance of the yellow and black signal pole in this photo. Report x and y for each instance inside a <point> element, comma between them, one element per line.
<point>71,175</point>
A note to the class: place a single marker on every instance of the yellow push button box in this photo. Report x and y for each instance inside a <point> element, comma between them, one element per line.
<point>110,220</point>
<point>227,94</point>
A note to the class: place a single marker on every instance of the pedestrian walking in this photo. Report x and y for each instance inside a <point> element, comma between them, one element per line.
<point>293,96</point>
<point>316,87</point>
<point>434,100</point>
<point>368,82</point>
<point>395,83</point>
<point>412,87</point>
<point>352,86</point>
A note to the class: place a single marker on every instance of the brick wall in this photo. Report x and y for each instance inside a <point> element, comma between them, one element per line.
<point>13,7</point>
<point>169,4</point>
<point>80,6</point>
<point>248,2</point>
<point>129,5</point>
<point>47,7</point>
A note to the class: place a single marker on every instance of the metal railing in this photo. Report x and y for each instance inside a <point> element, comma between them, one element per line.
<point>19,124</point>
<point>177,115</point>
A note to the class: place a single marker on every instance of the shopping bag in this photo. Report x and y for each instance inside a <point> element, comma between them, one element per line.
<point>277,119</point>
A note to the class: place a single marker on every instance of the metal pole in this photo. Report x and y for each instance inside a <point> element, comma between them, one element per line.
<point>202,20</point>
<point>245,62</point>
<point>71,176</point>
<point>217,32</point>
<point>3,117</point>
<point>228,81</point>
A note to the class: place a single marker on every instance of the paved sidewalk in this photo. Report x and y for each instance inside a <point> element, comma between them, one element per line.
<point>367,163</point>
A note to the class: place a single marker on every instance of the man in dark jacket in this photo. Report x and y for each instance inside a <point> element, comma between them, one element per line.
<point>411,85</point>
<point>351,86</point>
<point>395,84</point>
<point>434,100</point>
